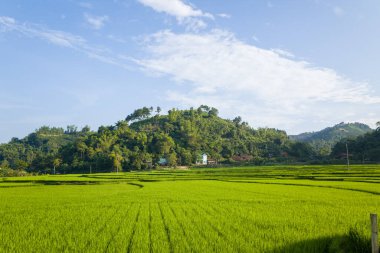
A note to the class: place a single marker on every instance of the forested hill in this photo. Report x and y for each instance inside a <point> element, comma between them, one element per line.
<point>323,141</point>
<point>144,138</point>
<point>365,148</point>
<point>335,133</point>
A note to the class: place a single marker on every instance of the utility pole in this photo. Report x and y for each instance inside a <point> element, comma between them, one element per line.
<point>374,233</point>
<point>348,159</point>
<point>347,155</point>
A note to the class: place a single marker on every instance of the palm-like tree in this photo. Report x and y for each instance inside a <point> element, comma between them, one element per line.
<point>56,163</point>
<point>117,158</point>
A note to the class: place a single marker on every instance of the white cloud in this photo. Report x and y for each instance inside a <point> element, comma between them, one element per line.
<point>283,52</point>
<point>224,15</point>
<point>95,22</point>
<point>267,87</point>
<point>184,13</point>
<point>174,8</point>
<point>255,38</point>
<point>62,39</point>
<point>6,23</point>
<point>59,38</point>
<point>193,24</point>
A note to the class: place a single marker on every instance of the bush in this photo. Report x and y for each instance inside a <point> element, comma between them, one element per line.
<point>6,172</point>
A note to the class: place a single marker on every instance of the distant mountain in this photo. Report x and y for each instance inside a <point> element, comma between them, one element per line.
<point>322,141</point>
<point>335,133</point>
<point>365,148</point>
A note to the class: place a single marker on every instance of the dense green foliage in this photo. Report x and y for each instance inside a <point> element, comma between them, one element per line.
<point>144,137</point>
<point>39,151</point>
<point>7,172</point>
<point>323,141</point>
<point>365,148</point>
<point>179,138</point>
<point>245,209</point>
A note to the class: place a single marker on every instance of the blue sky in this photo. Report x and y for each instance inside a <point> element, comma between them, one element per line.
<point>293,65</point>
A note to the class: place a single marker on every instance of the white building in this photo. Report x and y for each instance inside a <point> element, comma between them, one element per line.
<point>204,159</point>
<point>201,159</point>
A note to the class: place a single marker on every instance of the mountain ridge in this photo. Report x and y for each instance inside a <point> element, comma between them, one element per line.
<point>345,130</point>
<point>324,140</point>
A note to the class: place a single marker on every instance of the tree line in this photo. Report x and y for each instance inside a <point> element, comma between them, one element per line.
<point>364,149</point>
<point>144,137</point>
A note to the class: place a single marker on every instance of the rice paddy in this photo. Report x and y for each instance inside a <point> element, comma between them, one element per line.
<point>245,209</point>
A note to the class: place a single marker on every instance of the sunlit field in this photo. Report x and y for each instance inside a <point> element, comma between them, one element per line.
<point>246,209</point>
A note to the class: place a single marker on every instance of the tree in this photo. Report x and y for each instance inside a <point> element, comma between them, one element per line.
<point>105,142</point>
<point>117,158</point>
<point>4,164</point>
<point>163,143</point>
<point>85,129</point>
<point>91,153</point>
<point>172,159</point>
<point>301,150</point>
<point>56,163</point>
<point>237,120</point>
<point>139,114</point>
<point>81,147</point>
<point>203,108</point>
<point>185,156</point>
<point>21,165</point>
<point>158,110</point>
<point>213,112</point>
<point>71,129</point>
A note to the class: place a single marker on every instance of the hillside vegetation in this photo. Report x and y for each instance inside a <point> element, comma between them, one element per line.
<point>323,141</point>
<point>365,148</point>
<point>145,137</point>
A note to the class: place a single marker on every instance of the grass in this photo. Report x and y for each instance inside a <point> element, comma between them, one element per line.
<point>245,209</point>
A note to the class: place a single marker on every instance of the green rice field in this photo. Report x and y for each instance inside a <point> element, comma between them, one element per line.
<point>243,209</point>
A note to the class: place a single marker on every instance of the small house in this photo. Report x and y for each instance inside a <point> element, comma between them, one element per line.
<point>212,162</point>
<point>202,159</point>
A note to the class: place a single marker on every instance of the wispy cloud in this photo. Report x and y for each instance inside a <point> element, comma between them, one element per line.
<point>62,39</point>
<point>282,52</point>
<point>8,24</point>
<point>175,8</point>
<point>184,13</point>
<point>224,15</point>
<point>95,22</point>
<point>265,86</point>
<point>255,38</point>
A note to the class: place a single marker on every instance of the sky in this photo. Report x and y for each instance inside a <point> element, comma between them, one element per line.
<point>295,65</point>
